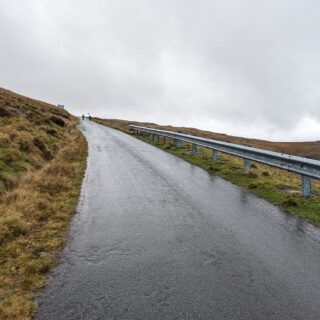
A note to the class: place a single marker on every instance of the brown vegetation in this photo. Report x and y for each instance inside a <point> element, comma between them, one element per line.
<point>42,160</point>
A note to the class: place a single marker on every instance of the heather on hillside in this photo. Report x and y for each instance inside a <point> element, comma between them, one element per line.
<point>42,161</point>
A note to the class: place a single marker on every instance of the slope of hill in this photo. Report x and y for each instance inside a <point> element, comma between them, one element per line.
<point>42,161</point>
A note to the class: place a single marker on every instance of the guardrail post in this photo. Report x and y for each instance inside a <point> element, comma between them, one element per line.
<point>214,155</point>
<point>194,149</point>
<point>247,166</point>
<point>305,186</point>
<point>177,143</point>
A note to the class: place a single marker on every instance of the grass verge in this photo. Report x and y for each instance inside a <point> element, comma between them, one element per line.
<point>276,186</point>
<point>42,162</point>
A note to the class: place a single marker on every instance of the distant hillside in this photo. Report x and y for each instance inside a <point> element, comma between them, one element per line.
<point>42,161</point>
<point>303,149</point>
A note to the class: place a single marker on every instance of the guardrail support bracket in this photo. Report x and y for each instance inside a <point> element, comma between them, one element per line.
<point>177,143</point>
<point>247,166</point>
<point>194,149</point>
<point>305,186</point>
<point>214,155</point>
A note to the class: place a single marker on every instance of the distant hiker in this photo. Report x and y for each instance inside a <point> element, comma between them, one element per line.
<point>89,117</point>
<point>83,117</point>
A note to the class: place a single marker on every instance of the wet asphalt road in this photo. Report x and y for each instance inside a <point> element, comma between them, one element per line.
<point>158,238</point>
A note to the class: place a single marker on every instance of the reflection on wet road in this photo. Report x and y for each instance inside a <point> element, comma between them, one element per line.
<point>158,238</point>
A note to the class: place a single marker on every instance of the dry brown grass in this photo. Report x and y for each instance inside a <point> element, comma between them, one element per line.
<point>41,169</point>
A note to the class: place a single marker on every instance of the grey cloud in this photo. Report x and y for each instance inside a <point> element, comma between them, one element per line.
<point>240,67</point>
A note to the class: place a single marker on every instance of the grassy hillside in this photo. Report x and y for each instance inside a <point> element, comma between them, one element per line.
<point>277,186</point>
<point>42,161</point>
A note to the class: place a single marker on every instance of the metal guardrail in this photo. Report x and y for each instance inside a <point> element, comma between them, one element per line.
<point>307,168</point>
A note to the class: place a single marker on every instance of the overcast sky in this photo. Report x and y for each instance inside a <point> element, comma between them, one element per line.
<point>247,68</point>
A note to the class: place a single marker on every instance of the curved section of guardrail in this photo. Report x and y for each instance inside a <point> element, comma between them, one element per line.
<point>307,168</point>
